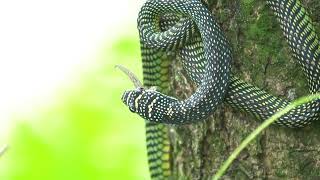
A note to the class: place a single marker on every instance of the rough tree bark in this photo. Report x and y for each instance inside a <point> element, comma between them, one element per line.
<point>261,57</point>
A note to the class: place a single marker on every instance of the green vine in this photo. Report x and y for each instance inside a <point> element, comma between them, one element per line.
<point>259,129</point>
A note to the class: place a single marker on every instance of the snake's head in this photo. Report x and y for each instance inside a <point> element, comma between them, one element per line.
<point>130,98</point>
<point>149,104</point>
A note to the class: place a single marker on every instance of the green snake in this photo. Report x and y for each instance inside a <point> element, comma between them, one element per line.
<point>187,29</point>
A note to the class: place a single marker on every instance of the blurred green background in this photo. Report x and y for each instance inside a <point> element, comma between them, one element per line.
<point>88,133</point>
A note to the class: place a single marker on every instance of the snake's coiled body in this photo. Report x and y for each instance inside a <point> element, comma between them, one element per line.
<point>158,107</point>
<point>188,29</point>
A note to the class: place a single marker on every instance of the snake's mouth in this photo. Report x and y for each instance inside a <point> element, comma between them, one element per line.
<point>128,99</point>
<point>125,97</point>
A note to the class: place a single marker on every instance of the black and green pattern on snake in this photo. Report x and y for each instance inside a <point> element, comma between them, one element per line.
<point>188,30</point>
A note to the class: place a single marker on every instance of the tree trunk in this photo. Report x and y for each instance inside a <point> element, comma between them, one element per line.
<point>261,57</point>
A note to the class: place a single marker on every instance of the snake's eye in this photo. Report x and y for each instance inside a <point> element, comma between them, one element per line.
<point>131,101</point>
<point>131,106</point>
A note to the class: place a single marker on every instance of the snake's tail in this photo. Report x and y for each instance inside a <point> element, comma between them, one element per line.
<point>156,74</point>
<point>158,148</point>
<point>136,82</point>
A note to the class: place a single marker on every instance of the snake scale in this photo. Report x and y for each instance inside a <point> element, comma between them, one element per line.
<point>187,29</point>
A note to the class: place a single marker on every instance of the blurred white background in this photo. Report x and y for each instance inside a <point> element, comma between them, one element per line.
<point>44,44</point>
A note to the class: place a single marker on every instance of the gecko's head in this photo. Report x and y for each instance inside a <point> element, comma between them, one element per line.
<point>130,98</point>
